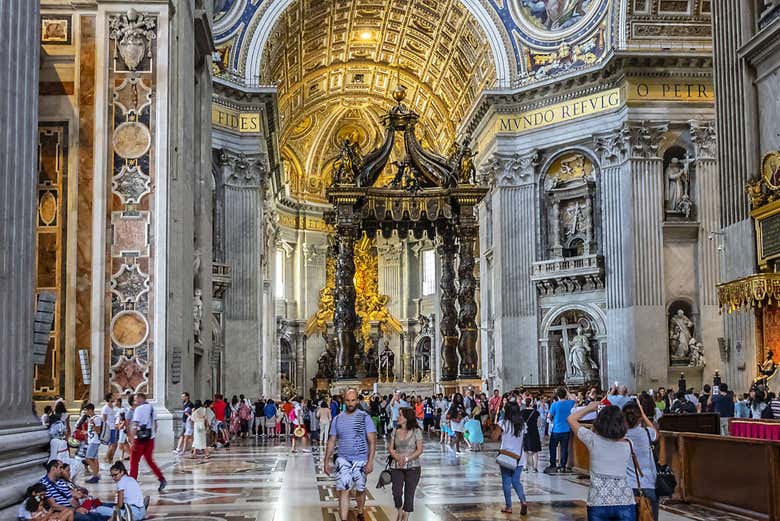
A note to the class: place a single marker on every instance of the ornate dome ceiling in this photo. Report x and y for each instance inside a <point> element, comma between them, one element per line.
<point>336,63</point>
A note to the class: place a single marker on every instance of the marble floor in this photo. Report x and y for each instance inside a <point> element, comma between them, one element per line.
<point>255,480</point>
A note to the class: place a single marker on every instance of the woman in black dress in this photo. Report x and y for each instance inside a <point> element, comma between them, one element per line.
<point>532,443</point>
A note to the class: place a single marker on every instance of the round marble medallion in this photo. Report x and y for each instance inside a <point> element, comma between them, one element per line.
<point>553,19</point>
<point>131,140</point>
<point>47,208</point>
<point>129,328</point>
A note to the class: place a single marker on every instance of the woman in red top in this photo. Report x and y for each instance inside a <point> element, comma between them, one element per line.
<point>419,411</point>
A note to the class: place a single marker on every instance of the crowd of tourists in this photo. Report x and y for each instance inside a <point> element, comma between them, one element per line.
<point>621,441</point>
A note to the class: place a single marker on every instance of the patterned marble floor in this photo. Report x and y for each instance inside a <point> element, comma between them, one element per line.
<point>262,481</point>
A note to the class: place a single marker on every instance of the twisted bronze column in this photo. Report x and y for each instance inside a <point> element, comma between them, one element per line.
<point>344,316</point>
<point>467,343</point>
<point>447,325</point>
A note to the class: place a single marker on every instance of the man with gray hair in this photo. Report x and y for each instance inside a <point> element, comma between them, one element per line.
<point>355,433</point>
<point>619,396</point>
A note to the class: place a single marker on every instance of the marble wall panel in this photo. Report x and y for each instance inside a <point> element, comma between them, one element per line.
<point>86,169</point>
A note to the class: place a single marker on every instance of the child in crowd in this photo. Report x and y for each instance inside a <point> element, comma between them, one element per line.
<point>121,429</point>
<point>473,432</point>
<point>34,506</point>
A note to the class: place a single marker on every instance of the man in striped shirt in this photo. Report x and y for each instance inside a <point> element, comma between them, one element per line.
<point>59,494</point>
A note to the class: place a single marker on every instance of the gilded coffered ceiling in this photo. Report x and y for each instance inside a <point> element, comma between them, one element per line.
<point>336,63</point>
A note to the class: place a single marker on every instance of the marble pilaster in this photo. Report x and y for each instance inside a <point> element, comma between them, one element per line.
<point>617,196</point>
<point>22,441</point>
<point>243,176</point>
<point>514,224</point>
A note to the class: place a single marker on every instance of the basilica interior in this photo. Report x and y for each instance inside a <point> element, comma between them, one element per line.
<point>282,198</point>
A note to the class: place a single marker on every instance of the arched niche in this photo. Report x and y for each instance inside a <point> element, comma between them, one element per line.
<point>570,356</point>
<point>570,204</point>
<point>679,184</point>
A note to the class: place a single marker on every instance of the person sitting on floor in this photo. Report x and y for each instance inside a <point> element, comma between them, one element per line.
<point>128,493</point>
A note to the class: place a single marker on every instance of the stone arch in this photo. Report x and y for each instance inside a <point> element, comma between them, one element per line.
<point>270,16</point>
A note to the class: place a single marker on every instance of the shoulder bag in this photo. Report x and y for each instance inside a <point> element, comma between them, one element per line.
<point>645,508</point>
<point>507,460</point>
<point>665,482</point>
<point>385,477</point>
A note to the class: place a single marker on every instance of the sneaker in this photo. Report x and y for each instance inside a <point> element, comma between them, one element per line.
<point>550,470</point>
<point>162,486</point>
<point>524,509</point>
<point>93,479</point>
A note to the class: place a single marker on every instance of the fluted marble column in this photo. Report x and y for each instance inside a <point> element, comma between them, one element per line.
<point>243,176</point>
<point>616,190</point>
<point>708,252</point>
<point>515,221</point>
<point>22,441</point>
<point>648,195</point>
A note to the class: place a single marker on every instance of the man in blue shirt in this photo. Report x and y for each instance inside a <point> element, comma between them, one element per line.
<point>269,412</point>
<point>561,432</point>
<point>355,433</point>
<point>723,404</point>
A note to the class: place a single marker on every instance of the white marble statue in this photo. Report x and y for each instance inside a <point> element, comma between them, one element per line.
<point>681,334</point>
<point>197,313</point>
<point>580,363</point>
<point>678,182</point>
<point>696,350</point>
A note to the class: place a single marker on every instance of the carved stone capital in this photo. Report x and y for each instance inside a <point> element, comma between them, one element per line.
<point>240,170</point>
<point>612,147</point>
<point>509,170</point>
<point>704,137</point>
<point>314,255</point>
<point>645,138</point>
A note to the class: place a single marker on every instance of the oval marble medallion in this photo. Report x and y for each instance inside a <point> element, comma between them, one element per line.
<point>129,328</point>
<point>47,208</point>
<point>131,140</point>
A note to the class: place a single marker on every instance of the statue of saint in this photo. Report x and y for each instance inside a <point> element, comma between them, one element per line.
<point>579,355</point>
<point>678,182</point>
<point>387,363</point>
<point>681,332</point>
<point>696,350</point>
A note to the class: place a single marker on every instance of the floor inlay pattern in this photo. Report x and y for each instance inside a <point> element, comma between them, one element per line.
<point>259,480</point>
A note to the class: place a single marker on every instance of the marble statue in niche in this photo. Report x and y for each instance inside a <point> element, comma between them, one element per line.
<point>387,364</point>
<point>684,348</point>
<point>197,314</point>
<point>580,363</point>
<point>677,176</point>
<point>573,349</point>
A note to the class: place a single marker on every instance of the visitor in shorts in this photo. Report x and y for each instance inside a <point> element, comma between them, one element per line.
<point>108,415</point>
<point>355,433</point>
<point>94,427</point>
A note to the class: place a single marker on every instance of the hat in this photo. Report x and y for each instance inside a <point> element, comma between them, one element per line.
<point>299,432</point>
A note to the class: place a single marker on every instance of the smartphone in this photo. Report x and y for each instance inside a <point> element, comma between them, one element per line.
<point>715,389</point>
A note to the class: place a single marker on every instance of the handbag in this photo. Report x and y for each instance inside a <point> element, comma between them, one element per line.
<point>385,477</point>
<point>665,481</point>
<point>645,508</point>
<point>507,460</point>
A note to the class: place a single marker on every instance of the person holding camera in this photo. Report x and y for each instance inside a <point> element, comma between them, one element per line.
<point>142,430</point>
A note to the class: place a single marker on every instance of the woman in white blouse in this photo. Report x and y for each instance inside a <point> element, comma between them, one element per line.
<point>610,498</point>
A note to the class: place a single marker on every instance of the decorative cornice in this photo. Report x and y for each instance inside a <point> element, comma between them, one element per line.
<point>610,73</point>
